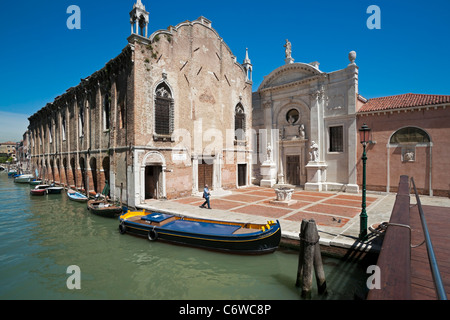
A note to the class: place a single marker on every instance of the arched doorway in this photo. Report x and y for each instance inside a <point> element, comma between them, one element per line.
<point>153,176</point>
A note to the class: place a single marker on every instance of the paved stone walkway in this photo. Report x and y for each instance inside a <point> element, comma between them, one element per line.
<point>336,213</point>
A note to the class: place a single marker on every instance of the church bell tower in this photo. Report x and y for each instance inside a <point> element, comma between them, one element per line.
<point>139,19</point>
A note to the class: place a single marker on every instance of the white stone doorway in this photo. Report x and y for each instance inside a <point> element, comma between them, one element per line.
<point>152,182</point>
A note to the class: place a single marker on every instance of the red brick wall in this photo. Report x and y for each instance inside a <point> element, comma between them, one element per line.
<point>436,122</point>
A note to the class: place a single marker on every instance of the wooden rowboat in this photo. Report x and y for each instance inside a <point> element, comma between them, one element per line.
<point>232,237</point>
<point>104,208</point>
<point>76,196</point>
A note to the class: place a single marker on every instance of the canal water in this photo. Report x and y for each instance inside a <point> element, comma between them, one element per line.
<point>40,237</point>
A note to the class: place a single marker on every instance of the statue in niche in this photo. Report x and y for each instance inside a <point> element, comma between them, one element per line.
<point>314,154</point>
<point>409,156</point>
<point>291,120</point>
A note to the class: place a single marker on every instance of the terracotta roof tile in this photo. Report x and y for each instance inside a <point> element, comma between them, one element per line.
<point>407,100</point>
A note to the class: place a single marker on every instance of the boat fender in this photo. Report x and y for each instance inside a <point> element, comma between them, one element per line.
<point>122,228</point>
<point>152,234</point>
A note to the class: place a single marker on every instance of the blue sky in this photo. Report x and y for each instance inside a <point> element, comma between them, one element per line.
<point>41,58</point>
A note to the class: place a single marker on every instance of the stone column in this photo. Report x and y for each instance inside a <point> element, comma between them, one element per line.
<point>353,138</point>
<point>316,167</point>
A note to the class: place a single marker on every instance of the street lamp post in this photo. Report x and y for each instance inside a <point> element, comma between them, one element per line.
<point>364,132</point>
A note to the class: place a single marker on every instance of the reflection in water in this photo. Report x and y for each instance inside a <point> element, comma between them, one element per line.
<point>41,236</point>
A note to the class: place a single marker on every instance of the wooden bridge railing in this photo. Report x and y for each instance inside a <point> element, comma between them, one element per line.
<point>395,254</point>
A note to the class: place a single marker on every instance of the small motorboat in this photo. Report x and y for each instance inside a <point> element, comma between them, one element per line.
<point>104,208</point>
<point>53,189</point>
<point>39,190</point>
<point>232,237</point>
<point>35,182</point>
<point>76,196</point>
<point>23,178</point>
<point>12,173</point>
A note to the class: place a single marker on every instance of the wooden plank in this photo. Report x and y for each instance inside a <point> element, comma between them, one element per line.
<point>438,222</point>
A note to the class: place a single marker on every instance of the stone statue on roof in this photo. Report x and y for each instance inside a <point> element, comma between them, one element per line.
<point>288,50</point>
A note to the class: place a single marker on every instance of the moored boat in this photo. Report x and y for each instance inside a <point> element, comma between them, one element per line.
<point>233,237</point>
<point>12,173</point>
<point>76,196</point>
<point>104,208</point>
<point>24,178</point>
<point>53,189</point>
<point>39,190</point>
<point>35,182</point>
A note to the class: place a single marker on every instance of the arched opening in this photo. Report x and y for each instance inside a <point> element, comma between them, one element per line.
<point>81,122</point>
<point>93,165</point>
<point>142,25</point>
<point>84,185</point>
<point>52,168</point>
<point>410,154</point>
<point>105,165</point>
<point>152,171</point>
<point>239,123</point>
<point>58,168</point>
<point>66,179</point>
<point>409,135</point>
<point>106,111</point>
<point>46,171</point>
<point>74,171</point>
<point>164,110</point>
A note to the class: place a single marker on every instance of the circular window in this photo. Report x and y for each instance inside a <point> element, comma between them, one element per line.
<point>292,116</point>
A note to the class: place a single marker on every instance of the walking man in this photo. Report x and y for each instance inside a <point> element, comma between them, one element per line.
<point>206,196</point>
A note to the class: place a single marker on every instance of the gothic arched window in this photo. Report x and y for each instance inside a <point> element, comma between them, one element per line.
<point>106,112</point>
<point>239,122</point>
<point>164,110</point>
<point>81,121</point>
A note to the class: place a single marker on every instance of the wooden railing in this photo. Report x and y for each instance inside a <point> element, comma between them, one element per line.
<point>395,254</point>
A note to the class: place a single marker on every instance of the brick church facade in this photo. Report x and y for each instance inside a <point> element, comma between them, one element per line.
<point>171,113</point>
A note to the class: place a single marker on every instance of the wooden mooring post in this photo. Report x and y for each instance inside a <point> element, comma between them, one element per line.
<point>309,257</point>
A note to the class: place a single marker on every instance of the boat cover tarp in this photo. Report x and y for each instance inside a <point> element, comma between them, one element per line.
<point>201,227</point>
<point>157,217</point>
